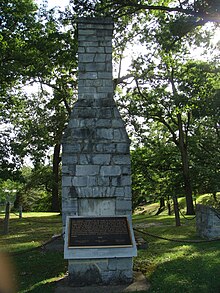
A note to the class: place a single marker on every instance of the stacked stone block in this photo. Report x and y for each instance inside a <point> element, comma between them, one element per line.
<point>104,271</point>
<point>96,173</point>
<point>96,160</point>
<point>207,221</point>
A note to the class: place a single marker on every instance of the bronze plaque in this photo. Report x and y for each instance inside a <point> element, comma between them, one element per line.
<point>99,232</point>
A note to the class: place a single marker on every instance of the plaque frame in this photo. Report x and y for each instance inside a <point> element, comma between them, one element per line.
<point>104,237</point>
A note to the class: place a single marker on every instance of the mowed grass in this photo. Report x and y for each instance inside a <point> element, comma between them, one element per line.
<point>37,270</point>
<point>173,267</point>
<point>170,267</point>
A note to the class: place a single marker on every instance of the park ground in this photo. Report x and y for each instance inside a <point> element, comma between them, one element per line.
<point>170,267</point>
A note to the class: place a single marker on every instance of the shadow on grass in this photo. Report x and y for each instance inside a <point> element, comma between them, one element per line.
<point>38,272</point>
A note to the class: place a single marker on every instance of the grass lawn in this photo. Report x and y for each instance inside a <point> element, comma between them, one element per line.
<point>173,267</point>
<point>36,270</point>
<point>170,267</point>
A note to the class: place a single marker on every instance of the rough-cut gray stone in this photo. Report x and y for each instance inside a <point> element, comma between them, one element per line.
<point>86,57</point>
<point>93,83</point>
<point>122,204</point>
<point>95,67</point>
<point>87,170</point>
<point>125,264</point>
<point>88,75</point>
<point>95,158</point>
<point>121,159</point>
<point>71,148</point>
<point>105,133</point>
<point>122,148</point>
<point>79,181</point>
<point>104,113</point>
<point>105,75</point>
<point>119,191</point>
<point>104,89</point>
<point>101,159</point>
<point>83,40</point>
<point>110,171</point>
<point>67,181</point>
<point>95,49</point>
<point>104,123</point>
<point>87,89</point>
<point>103,181</point>
<point>84,159</point>
<point>87,32</point>
<point>207,221</point>
<point>99,57</point>
<point>84,43</point>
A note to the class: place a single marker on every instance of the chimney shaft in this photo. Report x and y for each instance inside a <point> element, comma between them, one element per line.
<point>96,172</point>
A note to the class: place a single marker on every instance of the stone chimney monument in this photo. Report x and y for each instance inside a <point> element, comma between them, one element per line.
<point>96,173</point>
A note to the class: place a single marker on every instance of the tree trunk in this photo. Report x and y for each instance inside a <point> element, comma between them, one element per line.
<point>215,196</point>
<point>55,185</point>
<point>20,212</point>
<point>18,200</point>
<point>162,206</point>
<point>6,220</point>
<point>185,166</point>
<point>168,206</point>
<point>162,202</point>
<point>176,211</point>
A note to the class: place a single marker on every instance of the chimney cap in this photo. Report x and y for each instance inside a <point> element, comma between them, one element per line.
<point>95,20</point>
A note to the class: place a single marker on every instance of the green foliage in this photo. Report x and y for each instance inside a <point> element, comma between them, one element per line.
<point>47,46</point>
<point>17,21</point>
<point>177,93</point>
<point>8,190</point>
<point>35,194</point>
<point>34,122</point>
<point>201,10</point>
<point>156,170</point>
<point>209,200</point>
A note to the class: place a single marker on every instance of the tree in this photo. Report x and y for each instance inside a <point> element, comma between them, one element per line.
<point>198,11</point>
<point>205,157</point>
<point>173,93</point>
<point>50,62</point>
<point>156,172</point>
<point>35,189</point>
<point>17,22</point>
<point>8,189</point>
<point>183,16</point>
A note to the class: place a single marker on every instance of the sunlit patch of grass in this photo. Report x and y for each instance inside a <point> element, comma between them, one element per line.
<point>45,286</point>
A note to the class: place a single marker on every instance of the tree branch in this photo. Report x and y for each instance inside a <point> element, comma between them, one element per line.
<point>122,79</point>
<point>53,86</point>
<point>137,7</point>
<point>172,132</point>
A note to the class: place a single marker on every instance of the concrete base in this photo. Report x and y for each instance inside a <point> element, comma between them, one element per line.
<point>139,284</point>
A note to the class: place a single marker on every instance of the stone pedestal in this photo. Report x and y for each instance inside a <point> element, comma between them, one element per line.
<point>96,172</point>
<point>101,271</point>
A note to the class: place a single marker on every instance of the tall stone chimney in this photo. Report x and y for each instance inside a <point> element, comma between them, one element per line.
<point>96,172</point>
